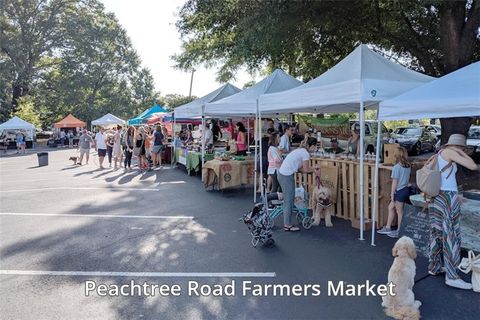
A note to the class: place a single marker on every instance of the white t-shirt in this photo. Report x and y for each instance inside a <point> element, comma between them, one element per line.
<point>284,144</point>
<point>294,161</point>
<point>100,140</point>
<point>208,137</point>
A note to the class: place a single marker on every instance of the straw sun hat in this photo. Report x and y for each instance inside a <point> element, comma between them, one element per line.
<point>456,140</point>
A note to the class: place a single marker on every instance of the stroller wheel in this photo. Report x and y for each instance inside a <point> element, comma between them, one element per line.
<point>269,243</point>
<point>307,222</point>
<point>300,217</point>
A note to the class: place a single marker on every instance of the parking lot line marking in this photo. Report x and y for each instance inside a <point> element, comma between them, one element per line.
<point>93,215</point>
<point>140,274</point>
<point>81,188</point>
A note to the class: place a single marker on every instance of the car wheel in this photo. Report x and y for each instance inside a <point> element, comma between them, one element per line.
<point>417,149</point>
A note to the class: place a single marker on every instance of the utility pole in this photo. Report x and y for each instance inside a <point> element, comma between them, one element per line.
<point>191,83</point>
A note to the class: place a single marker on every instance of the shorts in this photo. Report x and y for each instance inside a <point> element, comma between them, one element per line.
<point>157,149</point>
<point>84,151</point>
<point>402,195</point>
<point>102,152</point>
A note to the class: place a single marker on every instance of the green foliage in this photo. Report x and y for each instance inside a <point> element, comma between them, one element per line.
<point>70,56</point>
<point>308,37</point>
<point>171,101</point>
<point>26,111</point>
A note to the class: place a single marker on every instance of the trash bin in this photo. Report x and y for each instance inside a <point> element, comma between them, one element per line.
<point>42,159</point>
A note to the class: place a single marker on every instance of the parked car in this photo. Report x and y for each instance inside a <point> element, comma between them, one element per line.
<point>415,139</point>
<point>473,139</point>
<point>434,129</point>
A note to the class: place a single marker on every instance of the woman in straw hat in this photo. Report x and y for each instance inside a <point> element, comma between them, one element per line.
<point>445,214</point>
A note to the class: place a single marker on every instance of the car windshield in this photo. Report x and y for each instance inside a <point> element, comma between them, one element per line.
<point>409,131</point>
<point>474,133</point>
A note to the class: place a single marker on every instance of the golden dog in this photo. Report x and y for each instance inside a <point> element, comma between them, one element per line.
<point>321,204</point>
<point>403,305</point>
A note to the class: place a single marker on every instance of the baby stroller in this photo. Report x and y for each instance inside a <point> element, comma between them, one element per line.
<point>260,225</point>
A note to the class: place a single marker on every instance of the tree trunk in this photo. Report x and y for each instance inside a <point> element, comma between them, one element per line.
<point>454,125</point>
<point>18,91</point>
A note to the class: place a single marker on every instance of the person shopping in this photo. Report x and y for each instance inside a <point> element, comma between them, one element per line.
<point>445,236</point>
<point>117,147</point>
<point>241,141</point>
<point>353,143</point>
<point>129,144</point>
<point>274,162</point>
<point>296,160</point>
<point>400,191</point>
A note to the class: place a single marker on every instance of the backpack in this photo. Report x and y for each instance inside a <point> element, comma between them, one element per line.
<point>429,177</point>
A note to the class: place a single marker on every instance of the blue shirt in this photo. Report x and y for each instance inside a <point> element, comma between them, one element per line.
<point>158,138</point>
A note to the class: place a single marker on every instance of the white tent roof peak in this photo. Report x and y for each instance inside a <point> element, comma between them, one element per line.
<point>363,75</point>
<point>17,123</point>
<point>456,94</point>
<point>108,119</point>
<point>193,109</point>
<point>244,102</point>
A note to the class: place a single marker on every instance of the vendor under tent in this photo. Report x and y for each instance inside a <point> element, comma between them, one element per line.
<point>70,122</point>
<point>18,124</point>
<point>245,103</point>
<point>361,80</point>
<point>138,120</point>
<point>194,109</point>
<point>456,94</point>
<point>108,120</point>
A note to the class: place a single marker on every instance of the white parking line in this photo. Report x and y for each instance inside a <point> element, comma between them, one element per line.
<point>140,274</point>
<point>81,188</point>
<point>94,215</point>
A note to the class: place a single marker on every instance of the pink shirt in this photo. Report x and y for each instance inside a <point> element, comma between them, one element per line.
<point>241,146</point>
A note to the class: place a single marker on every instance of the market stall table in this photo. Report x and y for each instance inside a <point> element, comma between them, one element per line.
<point>191,160</point>
<point>228,174</point>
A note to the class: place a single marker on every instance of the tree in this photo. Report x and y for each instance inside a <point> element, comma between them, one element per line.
<point>69,56</point>
<point>308,37</point>
<point>29,30</point>
<point>171,101</point>
<point>26,111</point>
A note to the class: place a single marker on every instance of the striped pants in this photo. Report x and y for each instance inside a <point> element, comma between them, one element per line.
<point>445,239</point>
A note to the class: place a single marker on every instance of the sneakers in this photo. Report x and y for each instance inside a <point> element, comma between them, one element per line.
<point>459,284</point>
<point>393,234</point>
<point>384,230</point>
<point>442,270</point>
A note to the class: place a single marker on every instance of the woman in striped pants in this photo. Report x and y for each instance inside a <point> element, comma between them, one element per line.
<point>445,240</point>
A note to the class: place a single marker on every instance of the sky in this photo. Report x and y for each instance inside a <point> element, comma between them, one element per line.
<point>150,25</point>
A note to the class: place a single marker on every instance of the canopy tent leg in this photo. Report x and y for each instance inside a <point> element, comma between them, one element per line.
<point>362,154</point>
<point>174,149</point>
<point>248,134</point>
<point>260,147</point>
<point>375,183</point>
<point>203,138</point>
<point>255,176</point>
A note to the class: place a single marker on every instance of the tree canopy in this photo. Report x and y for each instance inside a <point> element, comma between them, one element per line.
<point>70,56</point>
<point>306,38</point>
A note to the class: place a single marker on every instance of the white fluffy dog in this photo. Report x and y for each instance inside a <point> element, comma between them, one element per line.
<point>402,273</point>
<point>321,204</point>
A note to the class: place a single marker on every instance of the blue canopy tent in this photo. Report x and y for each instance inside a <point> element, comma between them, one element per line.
<point>138,120</point>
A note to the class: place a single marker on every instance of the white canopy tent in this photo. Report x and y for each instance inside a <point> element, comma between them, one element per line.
<point>359,81</point>
<point>244,103</point>
<point>194,109</point>
<point>17,123</point>
<point>456,94</point>
<point>108,120</point>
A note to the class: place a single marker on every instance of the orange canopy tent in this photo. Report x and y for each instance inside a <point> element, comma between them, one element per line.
<point>70,122</point>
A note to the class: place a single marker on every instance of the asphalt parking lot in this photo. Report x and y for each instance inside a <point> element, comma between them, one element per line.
<point>62,225</point>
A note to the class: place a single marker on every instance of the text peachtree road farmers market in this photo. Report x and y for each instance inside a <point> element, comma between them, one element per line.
<point>243,288</point>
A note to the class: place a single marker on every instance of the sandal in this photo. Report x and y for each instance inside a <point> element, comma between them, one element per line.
<point>291,228</point>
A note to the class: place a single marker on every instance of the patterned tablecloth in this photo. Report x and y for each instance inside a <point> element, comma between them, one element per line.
<point>228,174</point>
<point>192,160</point>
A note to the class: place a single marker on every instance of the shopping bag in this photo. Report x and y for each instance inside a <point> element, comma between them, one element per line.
<point>472,263</point>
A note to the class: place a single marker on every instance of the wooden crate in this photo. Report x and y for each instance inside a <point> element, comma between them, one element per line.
<point>348,189</point>
<point>388,152</point>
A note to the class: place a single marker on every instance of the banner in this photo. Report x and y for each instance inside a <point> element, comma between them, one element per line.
<point>330,128</point>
